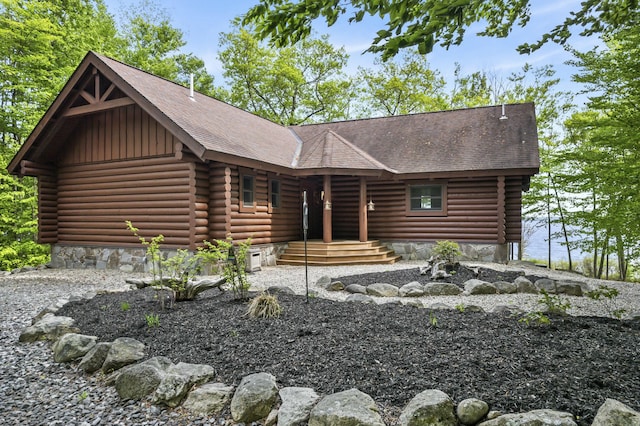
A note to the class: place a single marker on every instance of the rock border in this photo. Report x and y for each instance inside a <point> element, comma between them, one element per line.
<point>257,396</point>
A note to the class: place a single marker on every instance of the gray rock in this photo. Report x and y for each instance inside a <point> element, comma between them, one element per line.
<point>356,289</point>
<point>382,290</point>
<point>178,380</point>
<point>93,360</point>
<point>441,289</point>
<point>412,289</point>
<point>509,310</point>
<point>280,289</point>
<point>139,380</point>
<point>72,346</point>
<point>524,285</point>
<point>473,308</point>
<point>254,397</point>
<point>360,298</point>
<point>49,327</point>
<point>505,287</point>
<point>323,281</point>
<point>533,418</point>
<point>348,408</point>
<point>571,288</point>
<point>440,306</point>
<point>123,351</point>
<point>335,286</point>
<point>475,286</point>
<point>470,411</point>
<point>413,303</point>
<point>615,413</point>
<point>210,398</point>
<point>296,405</point>
<point>51,309</point>
<point>430,407</point>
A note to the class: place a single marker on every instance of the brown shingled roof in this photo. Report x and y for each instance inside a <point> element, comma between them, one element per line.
<point>466,140</point>
<point>460,140</point>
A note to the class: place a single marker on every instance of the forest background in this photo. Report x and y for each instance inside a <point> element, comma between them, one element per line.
<point>275,63</point>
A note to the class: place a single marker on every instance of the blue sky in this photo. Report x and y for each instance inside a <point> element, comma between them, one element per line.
<point>203,20</point>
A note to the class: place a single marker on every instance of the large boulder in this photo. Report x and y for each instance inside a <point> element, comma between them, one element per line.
<point>348,408</point>
<point>412,289</point>
<point>356,289</point>
<point>296,405</point>
<point>470,411</point>
<point>382,290</point>
<point>533,418</point>
<point>208,399</point>
<point>431,407</point>
<point>571,288</point>
<point>123,351</point>
<point>139,380</point>
<point>254,397</point>
<point>178,380</point>
<point>49,327</point>
<point>615,413</point>
<point>93,360</point>
<point>505,287</point>
<point>475,286</point>
<point>72,346</point>
<point>335,286</point>
<point>441,289</point>
<point>524,285</point>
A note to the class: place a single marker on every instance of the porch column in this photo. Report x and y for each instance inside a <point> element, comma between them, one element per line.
<point>326,212</point>
<point>362,206</point>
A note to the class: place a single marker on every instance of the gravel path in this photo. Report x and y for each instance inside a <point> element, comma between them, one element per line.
<point>34,390</point>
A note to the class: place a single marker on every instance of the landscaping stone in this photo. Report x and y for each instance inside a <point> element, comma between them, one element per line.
<point>123,351</point>
<point>356,289</point>
<point>508,310</point>
<point>615,413</point>
<point>296,405</point>
<point>413,302</point>
<point>139,380</point>
<point>72,346</point>
<point>348,408</point>
<point>570,288</point>
<point>93,360</point>
<point>360,298</point>
<point>524,285</point>
<point>177,381</point>
<point>51,309</point>
<point>412,289</point>
<point>473,308</point>
<point>382,290</point>
<point>504,287</point>
<point>440,306</point>
<point>431,407</point>
<point>441,289</point>
<point>49,327</point>
<point>254,397</point>
<point>470,411</point>
<point>475,286</point>
<point>323,281</point>
<point>208,399</point>
<point>533,418</point>
<point>280,289</point>
<point>335,286</point>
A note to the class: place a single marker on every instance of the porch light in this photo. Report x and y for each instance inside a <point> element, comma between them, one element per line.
<point>371,206</point>
<point>327,205</point>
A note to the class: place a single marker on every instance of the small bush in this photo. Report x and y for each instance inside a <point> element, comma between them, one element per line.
<point>264,305</point>
<point>448,251</point>
<point>124,306</point>
<point>537,318</point>
<point>554,303</point>
<point>153,320</point>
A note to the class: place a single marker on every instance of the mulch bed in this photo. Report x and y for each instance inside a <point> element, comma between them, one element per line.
<point>390,352</point>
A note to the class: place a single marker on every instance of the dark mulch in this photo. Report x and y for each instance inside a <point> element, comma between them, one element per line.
<point>390,352</point>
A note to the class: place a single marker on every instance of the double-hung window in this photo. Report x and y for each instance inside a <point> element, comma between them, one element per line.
<point>426,199</point>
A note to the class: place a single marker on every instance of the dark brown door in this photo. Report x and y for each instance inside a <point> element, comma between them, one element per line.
<point>313,186</point>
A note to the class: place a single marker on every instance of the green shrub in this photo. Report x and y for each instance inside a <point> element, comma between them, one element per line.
<point>153,320</point>
<point>448,251</point>
<point>536,317</point>
<point>218,254</point>
<point>554,303</point>
<point>23,253</point>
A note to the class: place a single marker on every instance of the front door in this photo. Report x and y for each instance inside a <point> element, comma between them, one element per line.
<point>313,186</point>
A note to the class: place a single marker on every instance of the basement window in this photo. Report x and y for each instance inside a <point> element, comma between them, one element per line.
<point>247,193</point>
<point>426,199</point>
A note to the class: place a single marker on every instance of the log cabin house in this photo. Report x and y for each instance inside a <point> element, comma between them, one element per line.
<point>121,144</point>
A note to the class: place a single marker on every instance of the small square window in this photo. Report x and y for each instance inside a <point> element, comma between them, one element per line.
<point>426,199</point>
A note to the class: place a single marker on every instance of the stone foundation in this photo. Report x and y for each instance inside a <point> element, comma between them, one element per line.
<point>498,253</point>
<point>130,259</point>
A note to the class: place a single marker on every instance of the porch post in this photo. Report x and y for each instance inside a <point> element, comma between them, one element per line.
<point>326,211</point>
<point>362,206</point>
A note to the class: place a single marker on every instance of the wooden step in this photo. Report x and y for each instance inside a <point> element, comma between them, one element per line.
<point>337,253</point>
